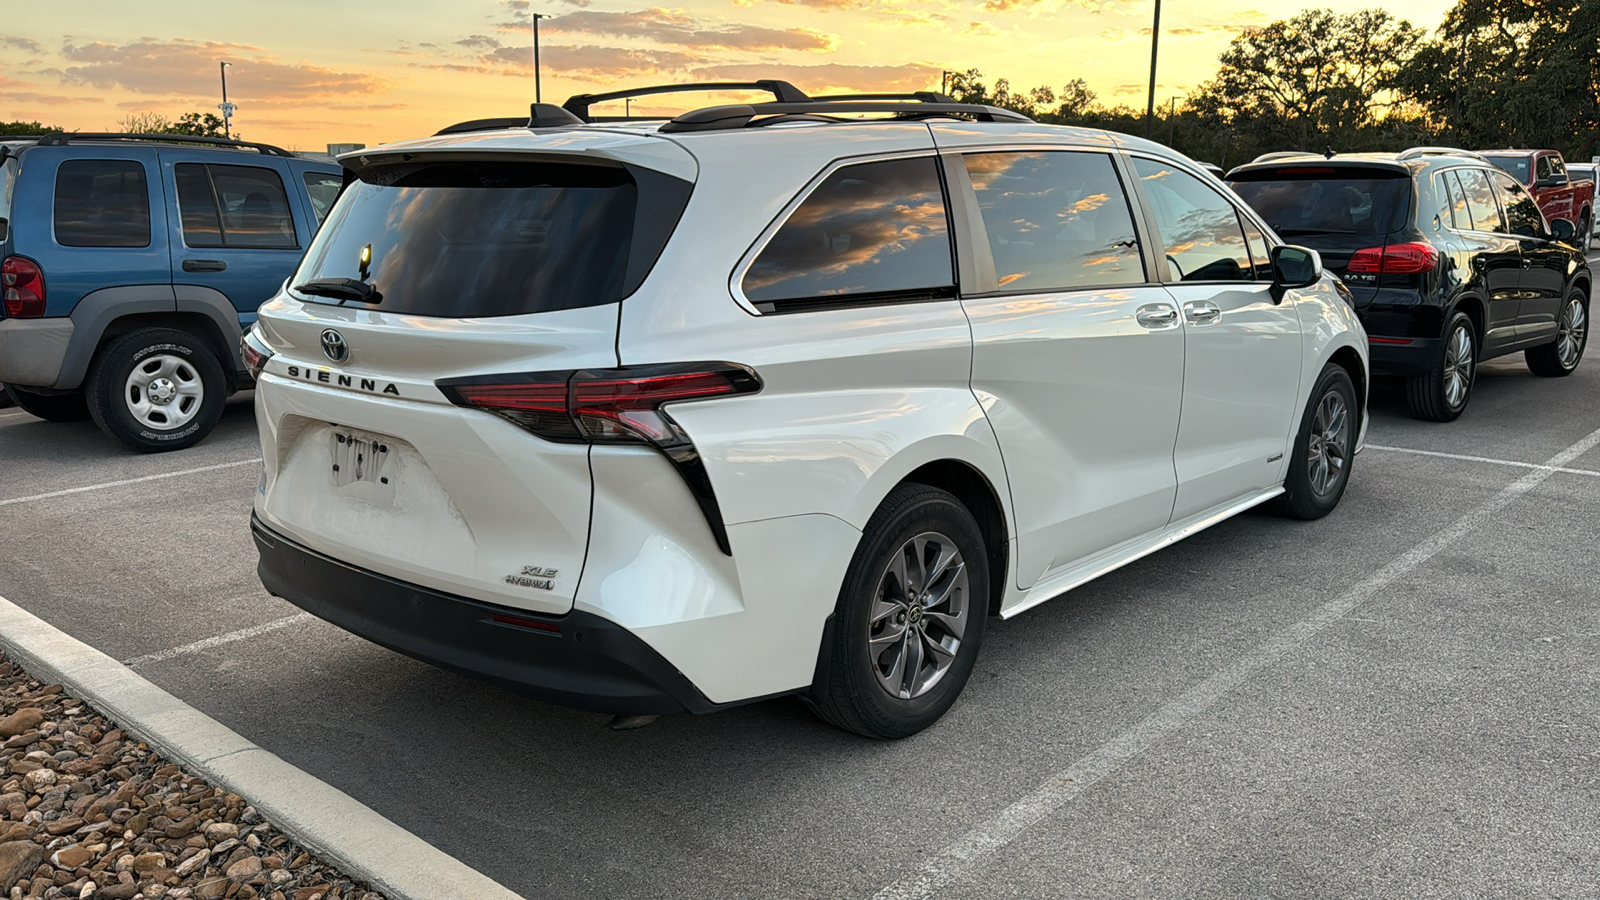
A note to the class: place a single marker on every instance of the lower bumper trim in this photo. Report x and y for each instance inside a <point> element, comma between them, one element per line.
<point>578,660</point>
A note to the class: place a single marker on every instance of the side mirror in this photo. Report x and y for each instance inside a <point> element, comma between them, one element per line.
<point>1295,267</point>
<point>1563,231</point>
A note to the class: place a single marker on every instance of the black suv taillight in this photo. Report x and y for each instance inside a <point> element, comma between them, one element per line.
<point>614,406</point>
<point>22,288</point>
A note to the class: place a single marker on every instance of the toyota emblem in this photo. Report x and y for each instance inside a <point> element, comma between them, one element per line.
<point>333,346</point>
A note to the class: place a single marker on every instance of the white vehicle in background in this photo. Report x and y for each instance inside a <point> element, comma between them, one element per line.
<point>767,399</point>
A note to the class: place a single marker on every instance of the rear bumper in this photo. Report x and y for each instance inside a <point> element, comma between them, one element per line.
<point>32,350</point>
<point>587,662</point>
<point>1415,358</point>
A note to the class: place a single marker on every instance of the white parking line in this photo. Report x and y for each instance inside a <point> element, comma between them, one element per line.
<point>1486,459</point>
<point>972,849</point>
<point>207,643</point>
<point>112,484</point>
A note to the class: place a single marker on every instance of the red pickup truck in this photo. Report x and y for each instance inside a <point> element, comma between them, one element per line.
<point>1545,174</point>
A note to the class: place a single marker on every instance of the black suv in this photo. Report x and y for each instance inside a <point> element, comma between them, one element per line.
<point>1448,258</point>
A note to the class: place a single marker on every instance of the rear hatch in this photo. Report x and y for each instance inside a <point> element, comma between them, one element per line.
<point>444,263</point>
<point>1335,210</point>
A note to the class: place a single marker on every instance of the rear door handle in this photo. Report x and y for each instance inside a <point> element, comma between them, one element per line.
<point>1156,315</point>
<point>1202,311</point>
<point>204,265</point>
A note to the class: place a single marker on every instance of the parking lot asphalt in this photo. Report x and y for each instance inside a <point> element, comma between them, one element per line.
<point>1400,700</point>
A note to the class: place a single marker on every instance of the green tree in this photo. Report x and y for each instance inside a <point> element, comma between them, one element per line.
<point>1519,72</point>
<point>1312,78</point>
<point>20,127</point>
<point>193,123</point>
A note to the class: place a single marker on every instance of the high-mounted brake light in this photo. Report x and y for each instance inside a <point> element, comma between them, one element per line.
<point>611,406</point>
<point>22,287</point>
<point>1395,259</point>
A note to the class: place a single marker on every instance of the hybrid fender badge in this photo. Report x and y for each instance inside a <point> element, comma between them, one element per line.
<point>333,346</point>
<point>534,577</point>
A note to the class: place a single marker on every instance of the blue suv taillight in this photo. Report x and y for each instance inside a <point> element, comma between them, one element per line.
<point>22,284</point>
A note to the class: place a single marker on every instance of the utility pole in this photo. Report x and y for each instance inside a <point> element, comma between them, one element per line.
<point>538,93</point>
<point>226,107</point>
<point>1172,121</point>
<point>1155,40</point>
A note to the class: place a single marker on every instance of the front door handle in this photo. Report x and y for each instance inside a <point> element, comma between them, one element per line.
<point>204,265</point>
<point>1156,315</point>
<point>1202,311</point>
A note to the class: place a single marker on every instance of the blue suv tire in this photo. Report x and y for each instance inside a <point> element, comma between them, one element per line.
<point>157,389</point>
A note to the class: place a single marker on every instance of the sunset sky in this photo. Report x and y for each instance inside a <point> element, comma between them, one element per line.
<point>307,73</point>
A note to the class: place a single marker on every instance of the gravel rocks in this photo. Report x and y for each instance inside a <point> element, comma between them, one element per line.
<point>87,812</point>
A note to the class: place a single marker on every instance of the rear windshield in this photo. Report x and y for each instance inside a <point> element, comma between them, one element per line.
<point>1516,165</point>
<point>8,180</point>
<point>1322,201</point>
<point>472,239</point>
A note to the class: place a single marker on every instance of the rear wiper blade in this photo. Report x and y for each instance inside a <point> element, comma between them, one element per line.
<point>340,289</point>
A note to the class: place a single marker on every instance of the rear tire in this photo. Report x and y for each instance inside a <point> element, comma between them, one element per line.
<point>1585,232</point>
<point>1561,356</point>
<point>1442,394</point>
<point>50,407</point>
<point>157,389</point>
<point>909,620</point>
<point>1324,449</point>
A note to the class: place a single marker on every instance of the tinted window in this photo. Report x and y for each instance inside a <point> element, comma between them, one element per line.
<point>1259,254</point>
<point>1321,201</point>
<point>323,189</point>
<point>234,206</point>
<point>1459,218</point>
<point>1516,165</point>
<point>102,203</point>
<point>1521,211</point>
<point>874,228</point>
<point>1480,201</point>
<point>1055,220</point>
<point>1199,228</point>
<point>8,180</point>
<point>1542,168</point>
<point>197,207</point>
<point>468,239</point>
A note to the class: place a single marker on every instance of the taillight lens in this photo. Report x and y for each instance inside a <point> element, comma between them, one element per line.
<point>254,351</point>
<point>1395,259</point>
<point>615,406</point>
<point>22,284</point>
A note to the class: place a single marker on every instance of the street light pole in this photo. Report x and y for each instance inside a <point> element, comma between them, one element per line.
<point>1155,40</point>
<point>226,107</point>
<point>538,93</point>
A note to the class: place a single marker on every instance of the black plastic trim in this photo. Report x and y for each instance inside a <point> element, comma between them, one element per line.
<point>854,301</point>
<point>713,118</point>
<point>587,663</point>
<point>483,125</point>
<point>579,104</point>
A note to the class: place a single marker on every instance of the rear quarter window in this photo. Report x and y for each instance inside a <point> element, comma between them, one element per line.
<point>102,203</point>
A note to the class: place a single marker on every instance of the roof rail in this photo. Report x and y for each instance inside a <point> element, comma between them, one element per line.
<point>1280,154</point>
<point>918,96</point>
<point>1419,152</point>
<point>62,138</point>
<point>782,91</point>
<point>717,118</point>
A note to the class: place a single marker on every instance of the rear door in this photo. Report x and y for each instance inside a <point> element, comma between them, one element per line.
<point>1242,345</point>
<point>1493,253</point>
<point>237,229</point>
<point>1544,262</point>
<point>1077,354</point>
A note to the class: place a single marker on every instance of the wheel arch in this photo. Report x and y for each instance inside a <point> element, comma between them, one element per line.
<point>979,496</point>
<point>1473,306</point>
<point>1348,359</point>
<point>197,324</point>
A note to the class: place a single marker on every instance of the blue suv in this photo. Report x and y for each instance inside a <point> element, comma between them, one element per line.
<point>131,264</point>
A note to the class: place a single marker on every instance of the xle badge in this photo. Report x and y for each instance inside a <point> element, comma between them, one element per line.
<point>534,577</point>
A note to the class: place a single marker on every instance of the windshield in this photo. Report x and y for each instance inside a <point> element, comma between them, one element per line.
<point>1326,202</point>
<point>466,239</point>
<point>1518,166</point>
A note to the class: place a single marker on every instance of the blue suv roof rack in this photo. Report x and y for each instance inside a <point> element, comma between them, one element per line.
<point>63,138</point>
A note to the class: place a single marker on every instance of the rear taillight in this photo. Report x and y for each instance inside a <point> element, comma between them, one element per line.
<point>254,351</point>
<point>609,406</point>
<point>1395,259</point>
<point>22,284</point>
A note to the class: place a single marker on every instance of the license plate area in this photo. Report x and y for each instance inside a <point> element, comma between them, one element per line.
<point>361,459</point>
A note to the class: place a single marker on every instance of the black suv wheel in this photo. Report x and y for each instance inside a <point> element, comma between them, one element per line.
<point>1562,355</point>
<point>156,389</point>
<point>1442,393</point>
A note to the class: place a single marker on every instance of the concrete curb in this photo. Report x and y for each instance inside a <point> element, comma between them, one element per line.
<point>325,820</point>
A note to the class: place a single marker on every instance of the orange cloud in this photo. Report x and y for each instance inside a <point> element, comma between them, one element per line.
<point>181,67</point>
<point>825,77</point>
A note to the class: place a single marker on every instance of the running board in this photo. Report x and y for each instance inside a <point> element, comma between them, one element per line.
<point>1118,557</point>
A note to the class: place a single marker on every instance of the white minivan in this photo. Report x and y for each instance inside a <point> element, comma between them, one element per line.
<point>776,398</point>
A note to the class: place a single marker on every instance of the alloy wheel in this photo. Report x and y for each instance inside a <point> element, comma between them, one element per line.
<point>1573,329</point>
<point>1328,450</point>
<point>919,614</point>
<point>164,392</point>
<point>1458,361</point>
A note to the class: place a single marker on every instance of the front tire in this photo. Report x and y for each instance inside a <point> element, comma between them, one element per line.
<point>1442,394</point>
<point>50,407</point>
<point>1324,450</point>
<point>157,389</point>
<point>1561,356</point>
<point>909,620</point>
